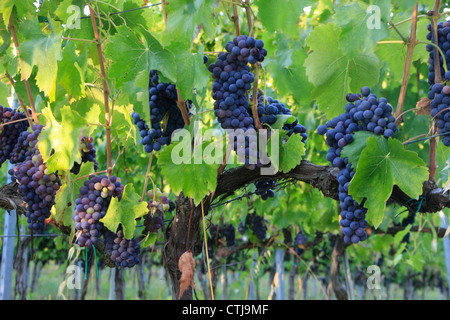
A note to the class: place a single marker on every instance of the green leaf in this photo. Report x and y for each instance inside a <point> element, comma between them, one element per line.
<point>133,55</point>
<point>125,211</point>
<point>149,240</point>
<point>281,16</point>
<point>383,164</point>
<point>4,94</point>
<point>42,50</point>
<point>356,36</point>
<point>291,152</point>
<point>192,74</point>
<point>70,72</point>
<point>334,74</point>
<point>62,138</point>
<point>286,65</point>
<point>6,7</point>
<point>187,174</point>
<point>68,193</point>
<point>134,51</point>
<point>184,17</point>
<point>353,150</point>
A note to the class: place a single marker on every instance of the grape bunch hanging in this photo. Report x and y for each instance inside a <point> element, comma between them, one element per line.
<point>12,126</point>
<point>364,112</point>
<point>37,184</point>
<point>165,116</point>
<point>232,82</point>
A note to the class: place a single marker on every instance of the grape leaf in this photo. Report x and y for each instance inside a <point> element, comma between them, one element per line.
<point>286,65</point>
<point>353,150</point>
<point>356,36</point>
<point>68,193</point>
<point>63,138</point>
<point>132,52</point>
<point>70,73</point>
<point>281,16</point>
<point>383,164</point>
<point>191,71</point>
<point>125,211</point>
<point>42,50</point>
<point>333,73</point>
<point>195,180</point>
<point>291,153</point>
<point>133,55</point>
<point>185,16</point>
<point>4,94</point>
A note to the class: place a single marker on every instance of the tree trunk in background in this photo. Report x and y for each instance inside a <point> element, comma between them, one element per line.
<point>37,269</point>
<point>140,274</point>
<point>292,273</point>
<point>223,282</point>
<point>305,286</point>
<point>119,284</point>
<point>21,265</point>
<point>279,258</point>
<point>203,284</point>
<point>336,256</point>
<point>86,281</point>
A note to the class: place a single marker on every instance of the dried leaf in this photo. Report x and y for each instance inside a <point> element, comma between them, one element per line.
<point>186,264</point>
<point>423,106</point>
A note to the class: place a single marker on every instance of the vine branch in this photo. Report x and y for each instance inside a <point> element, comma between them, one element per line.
<point>105,91</point>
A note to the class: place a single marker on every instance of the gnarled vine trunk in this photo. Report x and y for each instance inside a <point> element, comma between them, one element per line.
<point>182,234</point>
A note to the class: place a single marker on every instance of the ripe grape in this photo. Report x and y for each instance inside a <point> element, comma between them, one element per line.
<point>10,132</point>
<point>91,205</point>
<point>364,112</point>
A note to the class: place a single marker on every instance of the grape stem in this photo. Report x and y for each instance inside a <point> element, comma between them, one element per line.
<point>236,20</point>
<point>105,91</point>
<point>248,12</point>
<point>432,167</point>
<point>405,40</point>
<point>147,176</point>
<point>407,67</point>
<point>163,5</point>
<point>182,106</point>
<point>257,68</point>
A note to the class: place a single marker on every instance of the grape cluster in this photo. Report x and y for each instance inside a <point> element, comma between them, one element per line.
<point>300,239</point>
<point>264,188</point>
<point>364,112</point>
<point>124,252</point>
<point>268,110</point>
<point>232,81</point>
<point>443,33</point>
<point>440,107</point>
<point>91,205</point>
<point>165,116</point>
<point>37,184</point>
<point>10,132</point>
<point>88,154</point>
<point>153,221</point>
<point>227,232</point>
<point>26,144</point>
<point>255,223</point>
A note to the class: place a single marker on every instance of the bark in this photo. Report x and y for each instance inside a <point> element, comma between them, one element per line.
<point>336,256</point>
<point>141,280</point>
<point>21,264</point>
<point>182,235</point>
<point>120,285</point>
<point>291,280</point>
<point>37,269</point>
